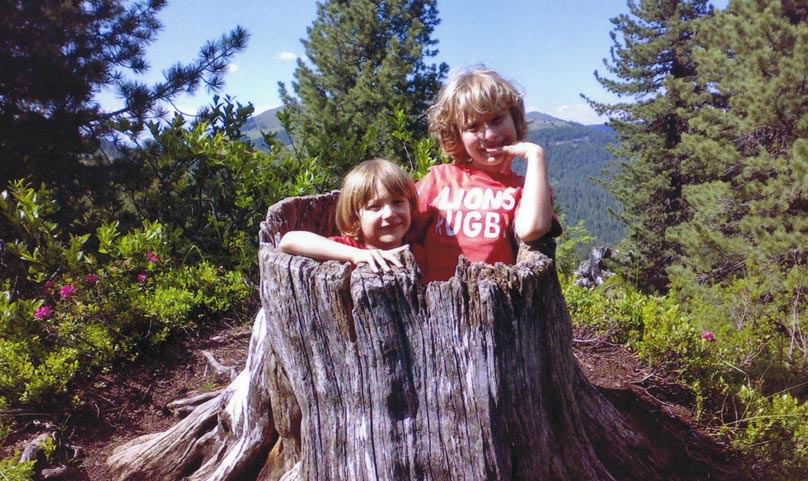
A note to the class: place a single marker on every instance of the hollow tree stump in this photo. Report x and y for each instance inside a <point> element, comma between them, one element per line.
<point>353,375</point>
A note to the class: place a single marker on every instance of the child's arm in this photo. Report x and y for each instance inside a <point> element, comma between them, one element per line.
<point>534,215</point>
<point>309,244</point>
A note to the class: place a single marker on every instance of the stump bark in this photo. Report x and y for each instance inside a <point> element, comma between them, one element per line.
<point>354,375</point>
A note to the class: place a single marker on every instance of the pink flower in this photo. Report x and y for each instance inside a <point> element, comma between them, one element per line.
<point>152,257</point>
<point>67,291</point>
<point>91,279</point>
<point>50,284</point>
<point>43,313</point>
<point>708,336</point>
<point>142,277</point>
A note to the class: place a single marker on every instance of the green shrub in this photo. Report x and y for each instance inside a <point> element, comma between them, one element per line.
<point>610,310</point>
<point>773,429</point>
<point>12,470</point>
<point>719,343</point>
<point>205,179</point>
<point>85,309</point>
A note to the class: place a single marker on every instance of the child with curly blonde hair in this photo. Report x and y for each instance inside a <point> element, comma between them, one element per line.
<point>475,205</point>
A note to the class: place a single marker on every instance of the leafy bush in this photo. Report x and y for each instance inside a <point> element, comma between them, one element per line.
<point>85,309</point>
<point>613,311</point>
<point>11,470</point>
<point>742,375</point>
<point>774,429</point>
<point>216,187</point>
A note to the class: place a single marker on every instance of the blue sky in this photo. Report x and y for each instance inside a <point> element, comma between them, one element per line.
<point>549,48</point>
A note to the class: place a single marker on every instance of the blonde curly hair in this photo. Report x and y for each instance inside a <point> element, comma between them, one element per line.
<point>470,95</point>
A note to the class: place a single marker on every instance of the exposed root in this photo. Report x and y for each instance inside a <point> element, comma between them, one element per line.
<point>227,372</point>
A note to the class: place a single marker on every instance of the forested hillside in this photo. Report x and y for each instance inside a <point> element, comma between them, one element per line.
<point>578,155</point>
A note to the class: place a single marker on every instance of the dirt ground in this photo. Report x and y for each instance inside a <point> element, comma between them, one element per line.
<point>128,404</point>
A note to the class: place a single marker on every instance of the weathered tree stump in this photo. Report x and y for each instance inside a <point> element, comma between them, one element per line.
<point>353,375</point>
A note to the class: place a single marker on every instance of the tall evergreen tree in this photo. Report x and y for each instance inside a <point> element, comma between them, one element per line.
<point>652,65</point>
<point>750,217</point>
<point>366,58</point>
<point>56,56</point>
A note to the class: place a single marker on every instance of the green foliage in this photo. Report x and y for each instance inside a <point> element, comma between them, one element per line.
<point>426,154</point>
<point>27,210</point>
<point>212,185</point>
<point>773,428</point>
<point>616,313</point>
<point>367,60</point>
<point>733,357</point>
<point>572,247</point>
<point>12,470</point>
<point>421,154</point>
<point>85,309</point>
<point>671,341</point>
<point>89,47</point>
<point>653,65</point>
<point>712,180</point>
<point>745,245</point>
<point>5,420</point>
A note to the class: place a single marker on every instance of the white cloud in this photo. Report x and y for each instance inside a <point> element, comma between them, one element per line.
<point>581,113</point>
<point>232,68</point>
<point>286,56</point>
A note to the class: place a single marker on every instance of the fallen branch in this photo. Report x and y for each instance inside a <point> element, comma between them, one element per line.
<point>181,407</point>
<point>53,473</point>
<point>228,372</point>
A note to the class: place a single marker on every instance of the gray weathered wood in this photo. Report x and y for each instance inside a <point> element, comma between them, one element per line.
<point>354,375</point>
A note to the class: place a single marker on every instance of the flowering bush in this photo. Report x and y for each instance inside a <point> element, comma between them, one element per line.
<point>739,381</point>
<point>43,313</point>
<point>84,310</point>
<point>67,291</point>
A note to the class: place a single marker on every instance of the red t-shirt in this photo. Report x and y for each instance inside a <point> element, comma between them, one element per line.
<point>465,210</point>
<point>349,241</point>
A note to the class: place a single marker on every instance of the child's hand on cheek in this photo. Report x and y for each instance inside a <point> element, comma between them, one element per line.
<point>526,150</point>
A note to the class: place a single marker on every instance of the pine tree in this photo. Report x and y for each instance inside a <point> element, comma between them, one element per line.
<point>652,66</point>
<point>366,59</point>
<point>56,56</point>
<point>750,215</point>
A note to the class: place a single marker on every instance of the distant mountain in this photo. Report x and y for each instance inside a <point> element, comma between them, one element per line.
<point>267,121</point>
<point>264,122</point>
<point>577,156</point>
<point>539,121</point>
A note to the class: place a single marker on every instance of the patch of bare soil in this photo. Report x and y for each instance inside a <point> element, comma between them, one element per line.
<point>125,405</point>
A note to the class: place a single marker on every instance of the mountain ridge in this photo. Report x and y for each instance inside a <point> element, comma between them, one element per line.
<point>267,121</point>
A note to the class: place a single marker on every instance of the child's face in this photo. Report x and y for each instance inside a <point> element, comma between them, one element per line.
<point>385,219</point>
<point>483,133</point>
